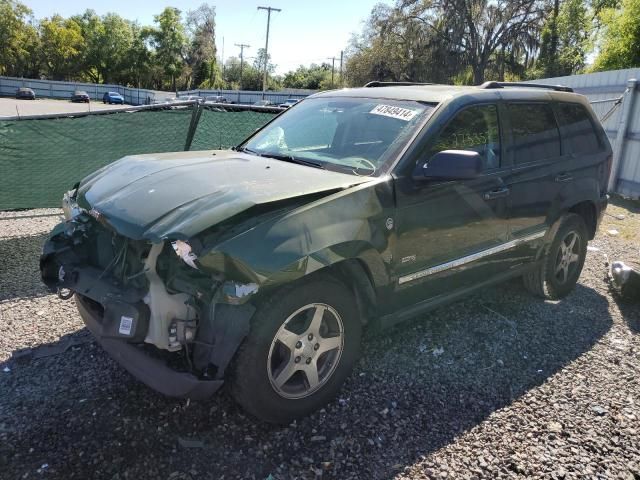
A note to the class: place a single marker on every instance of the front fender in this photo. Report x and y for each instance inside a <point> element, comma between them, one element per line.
<point>351,224</point>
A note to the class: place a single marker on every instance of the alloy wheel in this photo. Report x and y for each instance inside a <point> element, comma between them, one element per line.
<point>305,351</point>
<point>567,257</point>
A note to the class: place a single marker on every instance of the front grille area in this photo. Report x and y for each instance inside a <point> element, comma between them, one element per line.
<point>118,257</point>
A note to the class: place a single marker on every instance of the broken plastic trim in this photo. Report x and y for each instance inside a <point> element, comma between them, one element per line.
<point>235,293</point>
<point>183,250</point>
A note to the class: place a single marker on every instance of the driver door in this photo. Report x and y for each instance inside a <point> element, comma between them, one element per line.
<point>447,229</point>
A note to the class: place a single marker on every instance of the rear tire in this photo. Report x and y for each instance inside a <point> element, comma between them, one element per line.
<point>303,343</point>
<point>562,261</point>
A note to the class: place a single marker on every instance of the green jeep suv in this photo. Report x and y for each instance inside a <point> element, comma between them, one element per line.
<point>260,266</point>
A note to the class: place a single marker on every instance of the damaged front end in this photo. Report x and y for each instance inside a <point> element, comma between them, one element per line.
<point>170,323</point>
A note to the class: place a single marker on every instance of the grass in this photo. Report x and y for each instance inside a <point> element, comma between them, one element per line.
<point>622,215</point>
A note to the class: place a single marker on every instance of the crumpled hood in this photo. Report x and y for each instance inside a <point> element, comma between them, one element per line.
<point>177,195</point>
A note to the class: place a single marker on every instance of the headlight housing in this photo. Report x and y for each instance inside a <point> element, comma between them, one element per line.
<point>69,205</point>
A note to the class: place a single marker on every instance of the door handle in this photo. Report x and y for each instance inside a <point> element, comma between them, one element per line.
<point>497,193</point>
<point>563,177</point>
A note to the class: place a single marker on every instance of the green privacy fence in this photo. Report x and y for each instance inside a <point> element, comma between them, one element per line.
<point>40,158</point>
<point>225,128</point>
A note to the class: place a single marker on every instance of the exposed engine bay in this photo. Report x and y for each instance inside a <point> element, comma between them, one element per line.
<point>148,296</point>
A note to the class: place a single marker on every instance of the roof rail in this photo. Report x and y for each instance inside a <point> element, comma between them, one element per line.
<point>558,88</point>
<point>376,83</point>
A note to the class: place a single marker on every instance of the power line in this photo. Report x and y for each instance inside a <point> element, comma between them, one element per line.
<point>266,46</point>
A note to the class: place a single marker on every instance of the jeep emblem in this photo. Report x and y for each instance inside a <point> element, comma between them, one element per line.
<point>389,223</point>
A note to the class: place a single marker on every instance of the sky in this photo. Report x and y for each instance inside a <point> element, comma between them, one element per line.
<point>304,32</point>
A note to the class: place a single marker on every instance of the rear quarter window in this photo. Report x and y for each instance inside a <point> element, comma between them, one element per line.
<point>535,134</point>
<point>578,133</point>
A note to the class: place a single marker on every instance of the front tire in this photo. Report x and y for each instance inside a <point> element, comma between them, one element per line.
<point>562,262</point>
<point>303,343</point>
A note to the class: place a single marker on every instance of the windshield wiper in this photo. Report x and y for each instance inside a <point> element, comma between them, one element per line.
<point>289,158</point>
<point>278,156</point>
<point>246,150</point>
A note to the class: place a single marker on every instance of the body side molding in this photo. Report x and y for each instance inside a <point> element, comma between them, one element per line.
<point>470,258</point>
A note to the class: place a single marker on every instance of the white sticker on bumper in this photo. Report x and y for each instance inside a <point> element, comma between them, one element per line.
<point>126,323</point>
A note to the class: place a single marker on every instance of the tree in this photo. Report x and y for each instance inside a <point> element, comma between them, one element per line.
<point>315,77</point>
<point>445,41</point>
<point>620,46</point>
<point>92,30</point>
<point>251,77</point>
<point>483,28</point>
<point>108,43</point>
<point>18,40</point>
<point>261,59</point>
<point>169,42</point>
<point>565,40</point>
<point>138,59</point>
<point>62,44</point>
<point>201,29</point>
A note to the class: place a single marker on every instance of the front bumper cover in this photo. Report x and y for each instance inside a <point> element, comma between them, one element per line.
<point>151,371</point>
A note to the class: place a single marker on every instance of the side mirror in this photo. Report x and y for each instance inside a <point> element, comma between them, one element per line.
<point>450,165</point>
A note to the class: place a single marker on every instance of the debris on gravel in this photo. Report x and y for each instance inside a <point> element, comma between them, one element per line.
<point>499,385</point>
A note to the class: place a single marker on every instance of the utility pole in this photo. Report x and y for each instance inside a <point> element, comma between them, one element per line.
<point>341,57</point>
<point>222,59</point>
<point>333,68</point>
<point>266,46</point>
<point>242,47</point>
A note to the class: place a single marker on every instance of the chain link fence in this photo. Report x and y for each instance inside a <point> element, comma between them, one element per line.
<point>43,156</point>
<point>225,127</point>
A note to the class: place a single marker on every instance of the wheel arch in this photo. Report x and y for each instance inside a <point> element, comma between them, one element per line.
<point>355,274</point>
<point>579,197</point>
<point>588,211</point>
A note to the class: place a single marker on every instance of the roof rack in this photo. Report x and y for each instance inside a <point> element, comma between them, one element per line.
<point>393,84</point>
<point>558,88</point>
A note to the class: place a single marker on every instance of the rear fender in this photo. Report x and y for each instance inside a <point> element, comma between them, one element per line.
<point>578,191</point>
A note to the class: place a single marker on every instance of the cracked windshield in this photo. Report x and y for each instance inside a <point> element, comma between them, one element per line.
<point>353,135</point>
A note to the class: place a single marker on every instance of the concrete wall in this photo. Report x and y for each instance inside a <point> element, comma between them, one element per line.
<point>64,90</point>
<point>134,96</point>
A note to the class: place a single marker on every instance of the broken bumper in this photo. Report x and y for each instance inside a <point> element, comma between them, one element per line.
<point>151,371</point>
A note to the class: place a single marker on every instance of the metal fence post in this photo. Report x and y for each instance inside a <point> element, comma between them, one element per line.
<point>193,126</point>
<point>621,137</point>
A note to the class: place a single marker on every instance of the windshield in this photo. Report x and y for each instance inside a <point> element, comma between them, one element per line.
<point>354,135</point>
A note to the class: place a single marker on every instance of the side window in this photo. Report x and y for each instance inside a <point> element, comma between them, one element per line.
<point>535,132</point>
<point>577,129</point>
<point>475,129</point>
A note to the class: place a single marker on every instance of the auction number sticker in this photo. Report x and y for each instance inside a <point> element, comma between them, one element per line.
<point>126,323</point>
<point>400,113</point>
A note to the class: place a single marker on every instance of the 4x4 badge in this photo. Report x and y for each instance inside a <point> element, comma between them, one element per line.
<point>389,223</point>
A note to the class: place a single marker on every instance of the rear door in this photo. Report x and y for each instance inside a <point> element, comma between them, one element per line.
<point>538,165</point>
<point>586,154</point>
<point>447,230</point>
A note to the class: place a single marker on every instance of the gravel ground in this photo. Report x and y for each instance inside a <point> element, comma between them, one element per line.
<point>499,385</point>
